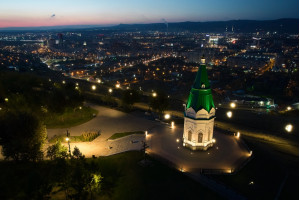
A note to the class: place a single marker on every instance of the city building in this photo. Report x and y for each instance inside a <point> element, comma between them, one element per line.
<point>199,113</point>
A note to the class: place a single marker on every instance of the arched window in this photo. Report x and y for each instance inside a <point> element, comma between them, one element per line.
<point>203,85</point>
<point>190,135</point>
<point>200,137</point>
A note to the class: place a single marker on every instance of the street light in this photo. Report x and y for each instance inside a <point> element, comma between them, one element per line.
<point>118,85</point>
<point>167,116</point>
<point>110,90</point>
<point>154,94</point>
<point>229,114</point>
<point>289,108</point>
<point>94,87</point>
<point>289,128</point>
<point>172,125</point>
<point>232,105</point>
<point>238,134</point>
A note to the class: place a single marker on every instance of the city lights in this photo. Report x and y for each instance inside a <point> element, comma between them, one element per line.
<point>104,85</point>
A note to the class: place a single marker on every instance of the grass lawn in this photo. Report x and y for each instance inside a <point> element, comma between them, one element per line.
<point>119,135</point>
<point>123,178</point>
<point>266,170</point>
<point>70,118</point>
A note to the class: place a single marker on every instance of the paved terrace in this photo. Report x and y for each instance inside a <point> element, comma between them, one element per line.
<point>226,154</point>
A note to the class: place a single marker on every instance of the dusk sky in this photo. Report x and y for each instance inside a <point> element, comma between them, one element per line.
<point>23,13</point>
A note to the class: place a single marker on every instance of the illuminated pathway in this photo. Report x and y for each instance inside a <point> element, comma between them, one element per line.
<point>108,121</point>
<point>226,154</point>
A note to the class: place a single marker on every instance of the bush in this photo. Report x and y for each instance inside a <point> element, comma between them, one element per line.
<point>89,136</point>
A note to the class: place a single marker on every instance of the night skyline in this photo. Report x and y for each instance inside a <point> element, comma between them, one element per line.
<point>59,13</point>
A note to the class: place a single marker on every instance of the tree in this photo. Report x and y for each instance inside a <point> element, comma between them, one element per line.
<point>85,179</point>
<point>57,150</point>
<point>77,153</point>
<point>93,184</point>
<point>129,97</point>
<point>78,178</point>
<point>160,102</point>
<point>22,136</point>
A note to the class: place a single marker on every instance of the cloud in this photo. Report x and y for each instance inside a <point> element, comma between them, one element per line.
<point>52,16</point>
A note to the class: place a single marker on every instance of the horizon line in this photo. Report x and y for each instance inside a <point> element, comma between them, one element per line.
<point>111,25</point>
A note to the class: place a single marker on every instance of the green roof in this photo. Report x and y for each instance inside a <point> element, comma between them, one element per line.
<point>200,95</point>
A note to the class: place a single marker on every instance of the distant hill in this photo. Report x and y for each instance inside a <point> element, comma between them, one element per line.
<point>246,26</point>
<point>290,26</point>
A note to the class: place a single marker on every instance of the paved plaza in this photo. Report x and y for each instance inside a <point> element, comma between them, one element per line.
<point>108,121</point>
<point>227,153</point>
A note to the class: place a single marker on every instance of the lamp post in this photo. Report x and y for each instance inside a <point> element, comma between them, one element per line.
<point>68,140</point>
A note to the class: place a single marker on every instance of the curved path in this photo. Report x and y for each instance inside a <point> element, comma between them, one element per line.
<point>108,122</point>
